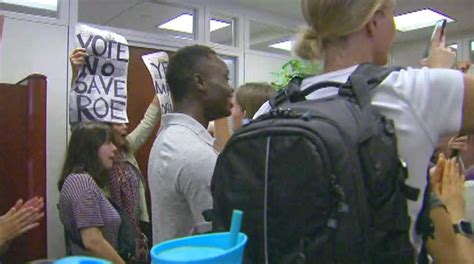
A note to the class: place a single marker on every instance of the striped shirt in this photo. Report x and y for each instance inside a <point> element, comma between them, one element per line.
<point>81,205</point>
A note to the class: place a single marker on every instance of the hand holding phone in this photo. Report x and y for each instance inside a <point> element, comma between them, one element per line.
<point>439,26</point>
<point>438,55</point>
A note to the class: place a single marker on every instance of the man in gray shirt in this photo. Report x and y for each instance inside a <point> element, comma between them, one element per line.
<point>182,158</point>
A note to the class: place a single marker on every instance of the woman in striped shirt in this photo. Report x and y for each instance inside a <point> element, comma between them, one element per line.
<point>84,209</point>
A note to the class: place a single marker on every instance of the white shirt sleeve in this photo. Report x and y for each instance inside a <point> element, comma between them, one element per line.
<point>435,95</point>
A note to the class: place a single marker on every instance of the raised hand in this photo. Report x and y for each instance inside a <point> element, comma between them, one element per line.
<point>440,56</point>
<point>77,60</point>
<point>448,184</point>
<point>18,221</point>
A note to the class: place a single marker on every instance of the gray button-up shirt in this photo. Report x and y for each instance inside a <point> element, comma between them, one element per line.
<point>180,169</point>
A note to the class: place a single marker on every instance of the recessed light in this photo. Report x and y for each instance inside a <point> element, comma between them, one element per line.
<point>419,19</point>
<point>184,23</point>
<point>218,24</point>
<point>284,45</point>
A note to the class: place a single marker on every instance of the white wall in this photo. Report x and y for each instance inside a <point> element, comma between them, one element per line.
<point>31,47</point>
<point>259,67</point>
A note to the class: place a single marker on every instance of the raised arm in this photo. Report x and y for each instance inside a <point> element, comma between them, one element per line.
<point>442,57</point>
<point>77,60</point>
<point>151,119</point>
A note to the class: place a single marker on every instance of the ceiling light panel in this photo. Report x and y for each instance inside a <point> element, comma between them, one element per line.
<point>419,19</point>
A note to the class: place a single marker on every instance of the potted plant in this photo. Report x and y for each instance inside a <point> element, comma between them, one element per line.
<point>295,68</point>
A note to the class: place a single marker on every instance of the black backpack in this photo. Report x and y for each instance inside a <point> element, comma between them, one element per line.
<point>319,181</point>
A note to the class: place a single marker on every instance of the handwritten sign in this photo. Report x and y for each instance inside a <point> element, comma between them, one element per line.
<point>100,90</point>
<point>157,63</point>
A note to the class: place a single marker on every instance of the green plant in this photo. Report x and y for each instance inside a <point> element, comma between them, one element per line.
<point>294,68</point>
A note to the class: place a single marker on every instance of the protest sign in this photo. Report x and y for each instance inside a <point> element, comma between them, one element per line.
<point>157,63</point>
<point>99,91</point>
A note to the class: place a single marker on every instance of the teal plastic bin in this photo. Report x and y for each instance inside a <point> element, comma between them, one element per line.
<point>202,249</point>
<point>81,260</point>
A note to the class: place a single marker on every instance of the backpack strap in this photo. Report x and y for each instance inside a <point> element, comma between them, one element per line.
<point>363,80</point>
<point>290,94</point>
<point>359,86</point>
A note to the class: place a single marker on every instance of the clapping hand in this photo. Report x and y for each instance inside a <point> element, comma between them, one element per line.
<point>447,182</point>
<point>22,217</point>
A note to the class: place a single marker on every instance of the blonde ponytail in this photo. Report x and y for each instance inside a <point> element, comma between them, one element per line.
<point>308,45</point>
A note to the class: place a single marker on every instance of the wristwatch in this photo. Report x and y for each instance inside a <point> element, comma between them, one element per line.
<point>463,227</point>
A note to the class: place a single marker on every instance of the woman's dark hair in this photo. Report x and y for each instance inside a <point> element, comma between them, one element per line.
<point>81,155</point>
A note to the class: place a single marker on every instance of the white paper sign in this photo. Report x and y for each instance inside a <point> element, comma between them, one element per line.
<point>100,90</point>
<point>157,63</point>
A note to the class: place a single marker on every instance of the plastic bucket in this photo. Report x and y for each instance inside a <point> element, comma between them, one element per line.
<point>202,249</point>
<point>81,260</point>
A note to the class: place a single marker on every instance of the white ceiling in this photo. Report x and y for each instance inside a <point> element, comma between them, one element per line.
<point>145,15</point>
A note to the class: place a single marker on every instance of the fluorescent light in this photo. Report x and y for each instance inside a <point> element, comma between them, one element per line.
<point>472,45</point>
<point>419,19</point>
<point>284,45</point>
<point>182,23</point>
<point>217,24</point>
<point>51,5</point>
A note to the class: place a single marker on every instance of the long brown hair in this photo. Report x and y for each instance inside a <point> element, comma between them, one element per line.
<point>81,155</point>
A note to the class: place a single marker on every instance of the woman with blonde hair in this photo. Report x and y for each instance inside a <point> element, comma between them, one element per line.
<point>425,104</point>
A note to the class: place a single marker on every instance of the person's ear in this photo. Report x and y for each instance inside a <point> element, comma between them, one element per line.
<point>371,25</point>
<point>200,82</point>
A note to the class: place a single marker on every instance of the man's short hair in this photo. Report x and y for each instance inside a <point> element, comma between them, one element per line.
<point>183,65</point>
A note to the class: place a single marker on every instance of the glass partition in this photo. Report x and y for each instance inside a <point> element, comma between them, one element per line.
<point>222,30</point>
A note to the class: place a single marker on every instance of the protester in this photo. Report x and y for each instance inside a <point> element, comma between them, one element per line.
<point>425,104</point>
<point>182,158</point>
<point>90,221</point>
<point>126,184</point>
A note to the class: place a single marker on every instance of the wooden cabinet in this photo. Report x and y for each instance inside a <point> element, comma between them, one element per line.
<point>23,158</point>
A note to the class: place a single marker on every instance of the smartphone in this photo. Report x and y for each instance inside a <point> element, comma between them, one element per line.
<point>440,24</point>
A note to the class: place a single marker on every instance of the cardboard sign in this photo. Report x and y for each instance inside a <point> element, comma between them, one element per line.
<point>157,63</point>
<point>99,92</point>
